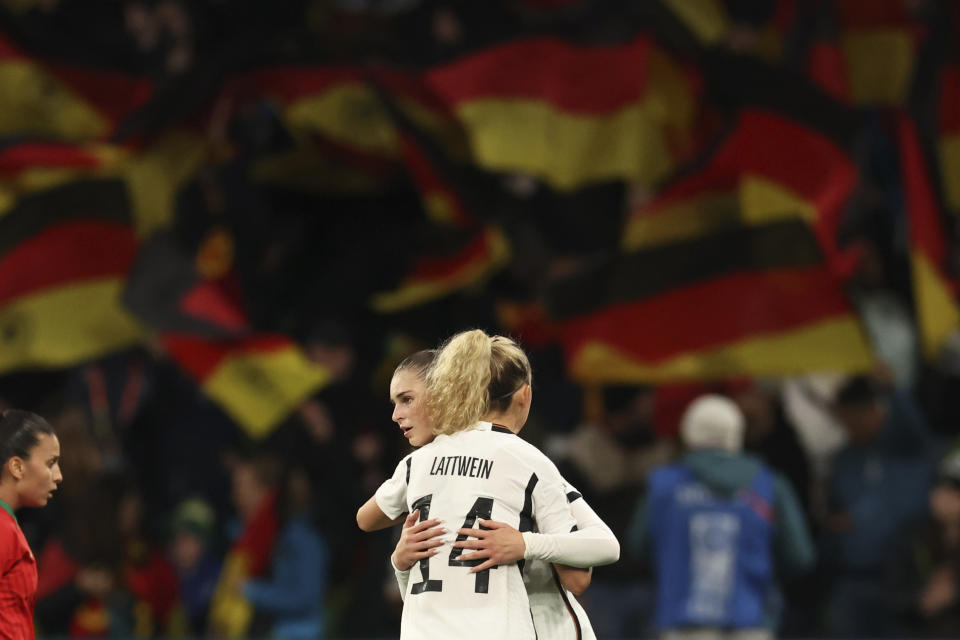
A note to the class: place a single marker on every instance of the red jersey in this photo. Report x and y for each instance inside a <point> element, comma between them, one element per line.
<point>18,580</point>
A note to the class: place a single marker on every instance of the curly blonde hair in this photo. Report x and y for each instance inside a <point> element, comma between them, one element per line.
<point>472,375</point>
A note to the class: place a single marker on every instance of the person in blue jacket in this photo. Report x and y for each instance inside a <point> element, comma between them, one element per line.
<point>293,596</point>
<point>719,525</point>
<point>878,486</point>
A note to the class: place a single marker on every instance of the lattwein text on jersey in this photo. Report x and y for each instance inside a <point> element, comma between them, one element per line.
<point>469,466</point>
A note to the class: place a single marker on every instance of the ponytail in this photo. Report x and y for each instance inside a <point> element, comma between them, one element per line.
<point>458,382</point>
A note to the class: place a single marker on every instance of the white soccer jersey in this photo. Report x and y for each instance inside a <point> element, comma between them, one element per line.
<point>556,613</point>
<point>486,472</point>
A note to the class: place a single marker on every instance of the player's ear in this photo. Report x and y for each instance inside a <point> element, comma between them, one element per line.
<point>526,394</point>
<point>15,466</point>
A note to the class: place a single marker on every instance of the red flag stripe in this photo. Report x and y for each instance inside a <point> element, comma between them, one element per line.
<point>925,230</point>
<point>201,357</point>
<point>19,157</point>
<point>950,100</point>
<point>114,95</point>
<point>570,77</point>
<point>739,306</point>
<point>871,13</point>
<point>69,252</point>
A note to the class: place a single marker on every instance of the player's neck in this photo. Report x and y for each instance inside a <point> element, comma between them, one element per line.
<point>8,493</point>
<point>504,420</point>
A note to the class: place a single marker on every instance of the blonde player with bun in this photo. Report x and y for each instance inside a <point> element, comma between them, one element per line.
<point>503,479</point>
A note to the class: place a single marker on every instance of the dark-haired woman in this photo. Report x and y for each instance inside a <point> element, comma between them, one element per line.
<point>30,473</point>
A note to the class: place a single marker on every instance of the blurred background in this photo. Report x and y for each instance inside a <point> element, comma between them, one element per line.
<point>223,224</point>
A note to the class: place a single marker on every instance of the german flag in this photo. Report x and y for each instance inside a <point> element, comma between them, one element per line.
<point>466,251</point>
<point>186,289</point>
<point>934,291</point>
<point>341,138</point>
<point>726,272</point>
<point>257,380</point>
<point>154,173</point>
<point>948,111</point>
<point>572,115</point>
<point>340,105</point>
<point>34,166</point>
<point>64,254</point>
<point>54,100</point>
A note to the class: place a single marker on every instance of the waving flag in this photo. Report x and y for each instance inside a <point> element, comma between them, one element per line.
<point>572,115</point>
<point>257,381</point>
<point>61,101</point>
<point>938,316</point>
<point>727,271</point>
<point>65,249</point>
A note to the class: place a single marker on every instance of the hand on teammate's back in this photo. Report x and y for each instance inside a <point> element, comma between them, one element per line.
<point>498,543</point>
<point>417,541</point>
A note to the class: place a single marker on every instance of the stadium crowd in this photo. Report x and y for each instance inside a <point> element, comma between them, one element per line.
<point>173,521</point>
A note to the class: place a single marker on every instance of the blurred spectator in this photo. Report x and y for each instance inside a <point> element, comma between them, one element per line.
<point>255,484</point>
<point>147,574</point>
<point>720,526</point>
<point>607,458</point>
<point>293,595</point>
<point>926,579</point>
<point>771,437</point>
<point>80,590</point>
<point>193,554</point>
<point>878,485</point>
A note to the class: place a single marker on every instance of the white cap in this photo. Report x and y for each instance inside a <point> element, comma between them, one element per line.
<point>713,422</point>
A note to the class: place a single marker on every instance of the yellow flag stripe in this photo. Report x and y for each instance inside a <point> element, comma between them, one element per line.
<point>568,151</point>
<point>156,175</point>
<point>879,65</point>
<point>410,294</point>
<point>937,312</point>
<point>62,326</point>
<point>706,18</point>
<point>836,344</point>
<point>757,202</point>
<point>34,103</point>
<point>353,114</point>
<point>950,169</point>
<point>259,389</point>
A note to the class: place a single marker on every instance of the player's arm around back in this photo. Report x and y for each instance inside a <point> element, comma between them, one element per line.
<point>591,545</point>
<point>389,504</point>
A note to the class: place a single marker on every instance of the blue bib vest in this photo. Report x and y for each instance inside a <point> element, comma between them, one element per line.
<point>712,553</point>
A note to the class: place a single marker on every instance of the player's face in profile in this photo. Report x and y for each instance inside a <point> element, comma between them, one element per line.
<point>407,392</point>
<point>41,472</point>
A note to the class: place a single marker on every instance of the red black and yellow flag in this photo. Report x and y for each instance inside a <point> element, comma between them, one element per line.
<point>257,381</point>
<point>727,272</point>
<point>465,250</point>
<point>934,291</point>
<point>188,290</point>
<point>43,98</point>
<point>572,115</point>
<point>65,248</point>
<point>343,139</point>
